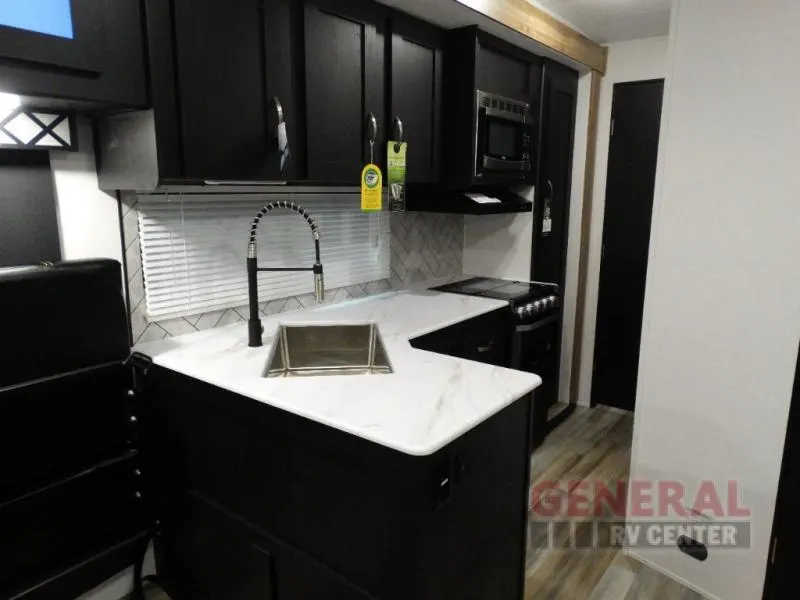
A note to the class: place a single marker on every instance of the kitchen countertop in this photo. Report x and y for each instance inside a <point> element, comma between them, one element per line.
<point>427,402</point>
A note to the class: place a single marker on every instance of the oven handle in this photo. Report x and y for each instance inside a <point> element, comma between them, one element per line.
<point>537,325</point>
<point>505,165</point>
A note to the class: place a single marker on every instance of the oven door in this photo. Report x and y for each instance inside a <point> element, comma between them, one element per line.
<point>534,349</point>
<point>503,146</point>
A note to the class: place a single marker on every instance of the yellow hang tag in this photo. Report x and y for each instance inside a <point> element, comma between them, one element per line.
<point>371,188</point>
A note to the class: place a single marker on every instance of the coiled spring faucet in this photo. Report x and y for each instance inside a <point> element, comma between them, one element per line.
<point>254,329</point>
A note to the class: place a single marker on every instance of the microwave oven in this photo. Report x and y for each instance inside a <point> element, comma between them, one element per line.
<point>503,139</point>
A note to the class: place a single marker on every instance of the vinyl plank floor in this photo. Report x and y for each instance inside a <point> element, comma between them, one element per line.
<point>592,444</point>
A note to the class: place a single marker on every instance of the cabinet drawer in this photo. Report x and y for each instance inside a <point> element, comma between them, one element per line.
<point>482,339</point>
<point>486,339</point>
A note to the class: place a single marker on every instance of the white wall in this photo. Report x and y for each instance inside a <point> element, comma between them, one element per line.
<point>88,219</point>
<point>722,316</point>
<point>635,60</point>
<point>500,245</point>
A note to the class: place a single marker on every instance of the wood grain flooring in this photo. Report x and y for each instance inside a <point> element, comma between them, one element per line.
<point>593,444</point>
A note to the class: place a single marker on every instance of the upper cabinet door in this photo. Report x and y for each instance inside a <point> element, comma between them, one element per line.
<point>225,54</point>
<point>416,94</point>
<point>344,63</point>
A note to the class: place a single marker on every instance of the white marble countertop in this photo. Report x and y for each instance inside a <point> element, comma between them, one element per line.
<point>427,402</point>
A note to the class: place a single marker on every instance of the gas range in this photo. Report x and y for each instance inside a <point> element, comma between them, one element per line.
<point>529,300</point>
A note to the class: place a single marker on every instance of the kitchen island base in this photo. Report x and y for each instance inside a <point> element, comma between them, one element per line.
<point>255,502</point>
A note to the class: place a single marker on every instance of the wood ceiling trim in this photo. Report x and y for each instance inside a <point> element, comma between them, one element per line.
<point>529,20</point>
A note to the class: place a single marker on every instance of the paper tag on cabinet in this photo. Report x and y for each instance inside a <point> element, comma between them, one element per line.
<point>371,188</point>
<point>547,225</point>
<point>396,173</point>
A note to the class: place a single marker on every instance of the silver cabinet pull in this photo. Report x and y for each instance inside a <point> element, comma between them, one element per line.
<point>372,134</point>
<point>397,131</point>
<point>485,347</point>
<point>372,128</point>
<point>281,135</point>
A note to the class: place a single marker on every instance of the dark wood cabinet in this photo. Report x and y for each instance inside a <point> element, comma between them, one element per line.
<point>255,499</point>
<point>90,54</point>
<point>344,85</point>
<point>482,339</point>
<point>225,79</point>
<point>220,72</point>
<point>416,55</point>
<point>216,555</point>
<point>476,61</point>
<point>554,176</point>
<point>507,71</point>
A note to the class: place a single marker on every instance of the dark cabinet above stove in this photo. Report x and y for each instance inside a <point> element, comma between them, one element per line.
<point>478,61</point>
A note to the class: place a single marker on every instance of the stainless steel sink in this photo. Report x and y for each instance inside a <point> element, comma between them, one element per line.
<point>313,350</point>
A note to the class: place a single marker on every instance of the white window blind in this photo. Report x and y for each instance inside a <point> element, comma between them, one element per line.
<point>194,248</point>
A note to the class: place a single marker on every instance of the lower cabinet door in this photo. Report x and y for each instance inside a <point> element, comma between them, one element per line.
<point>209,553</point>
<point>213,556</point>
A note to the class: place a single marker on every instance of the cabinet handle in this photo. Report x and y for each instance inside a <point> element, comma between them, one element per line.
<point>397,132</point>
<point>280,134</point>
<point>485,347</point>
<point>372,128</point>
<point>372,134</point>
<point>550,191</point>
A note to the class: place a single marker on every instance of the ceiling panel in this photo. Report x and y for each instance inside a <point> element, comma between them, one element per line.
<point>613,20</point>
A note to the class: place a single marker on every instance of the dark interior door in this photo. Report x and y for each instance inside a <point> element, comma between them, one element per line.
<point>784,555</point>
<point>632,157</point>
<point>416,94</point>
<point>554,180</point>
<point>344,57</point>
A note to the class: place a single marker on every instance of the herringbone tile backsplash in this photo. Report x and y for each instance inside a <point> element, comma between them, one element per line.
<point>424,246</point>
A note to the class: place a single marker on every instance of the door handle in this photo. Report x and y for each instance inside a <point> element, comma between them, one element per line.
<point>280,134</point>
<point>485,348</point>
<point>547,218</point>
<point>397,132</point>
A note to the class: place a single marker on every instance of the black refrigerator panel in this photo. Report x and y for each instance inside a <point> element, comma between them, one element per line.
<point>554,176</point>
<point>61,318</point>
<point>72,497</point>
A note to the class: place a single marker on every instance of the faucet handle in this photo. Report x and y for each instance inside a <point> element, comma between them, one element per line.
<point>319,283</point>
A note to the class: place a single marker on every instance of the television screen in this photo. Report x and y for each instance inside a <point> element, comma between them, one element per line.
<point>50,17</point>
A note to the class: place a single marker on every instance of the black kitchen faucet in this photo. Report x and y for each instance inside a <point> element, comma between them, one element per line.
<point>254,328</point>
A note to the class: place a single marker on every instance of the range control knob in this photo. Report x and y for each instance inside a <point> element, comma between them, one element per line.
<point>556,301</point>
<point>538,306</point>
<point>520,311</point>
